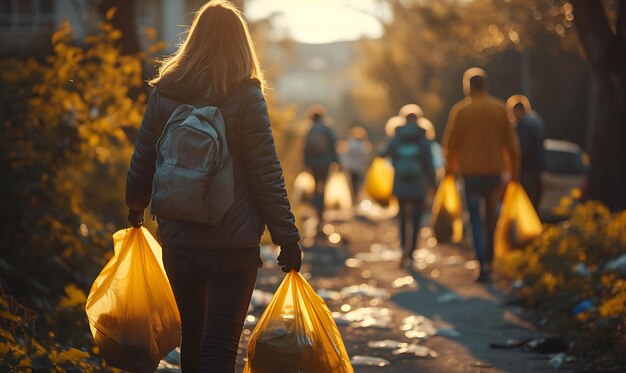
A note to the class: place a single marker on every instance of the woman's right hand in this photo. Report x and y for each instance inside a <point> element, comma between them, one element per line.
<point>290,258</point>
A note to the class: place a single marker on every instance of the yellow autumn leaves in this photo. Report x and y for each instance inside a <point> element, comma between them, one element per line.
<point>567,265</point>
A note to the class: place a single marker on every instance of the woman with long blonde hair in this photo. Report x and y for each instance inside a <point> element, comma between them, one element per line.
<point>213,268</point>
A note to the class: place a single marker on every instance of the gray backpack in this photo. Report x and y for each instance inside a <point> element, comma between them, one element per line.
<point>194,179</point>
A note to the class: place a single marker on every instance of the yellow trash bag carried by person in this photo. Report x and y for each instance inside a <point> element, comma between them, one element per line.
<point>131,308</point>
<point>446,219</point>
<point>379,181</point>
<point>337,194</point>
<point>303,188</point>
<point>296,333</point>
<point>518,223</point>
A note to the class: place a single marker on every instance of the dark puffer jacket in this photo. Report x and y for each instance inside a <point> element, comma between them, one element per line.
<point>412,189</point>
<point>260,195</point>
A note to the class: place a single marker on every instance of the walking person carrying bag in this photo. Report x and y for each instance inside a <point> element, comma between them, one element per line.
<point>205,158</point>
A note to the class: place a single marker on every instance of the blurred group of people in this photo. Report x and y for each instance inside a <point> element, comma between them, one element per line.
<point>486,143</point>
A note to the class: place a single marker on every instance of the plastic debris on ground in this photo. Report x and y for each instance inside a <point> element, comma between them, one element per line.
<point>364,290</point>
<point>359,360</point>
<point>380,253</point>
<point>581,269</point>
<point>447,332</point>
<point>417,350</point>
<point>582,307</point>
<point>453,260</point>
<point>449,297</point>
<point>165,367</point>
<point>417,326</point>
<point>329,294</point>
<point>617,265</point>
<point>353,263</point>
<point>557,361</point>
<point>387,344</point>
<point>250,320</point>
<point>517,284</point>
<point>368,317</point>
<point>173,357</point>
<point>171,362</point>
<point>407,281</point>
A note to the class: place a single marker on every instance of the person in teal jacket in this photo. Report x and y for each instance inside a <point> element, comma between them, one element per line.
<point>410,152</point>
<point>319,154</point>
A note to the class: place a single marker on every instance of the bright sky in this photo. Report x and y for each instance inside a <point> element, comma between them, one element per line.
<point>320,21</point>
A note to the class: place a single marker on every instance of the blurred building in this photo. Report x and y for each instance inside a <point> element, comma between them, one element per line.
<point>26,25</point>
<point>313,73</point>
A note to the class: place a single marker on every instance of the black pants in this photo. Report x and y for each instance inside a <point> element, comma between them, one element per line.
<point>213,291</point>
<point>355,178</point>
<point>410,210</point>
<point>320,174</point>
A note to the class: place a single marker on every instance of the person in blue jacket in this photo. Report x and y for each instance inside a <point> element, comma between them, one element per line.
<point>411,156</point>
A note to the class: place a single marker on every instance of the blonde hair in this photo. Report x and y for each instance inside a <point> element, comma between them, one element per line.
<point>217,51</point>
<point>518,99</point>
<point>469,74</point>
<point>514,101</point>
<point>411,109</point>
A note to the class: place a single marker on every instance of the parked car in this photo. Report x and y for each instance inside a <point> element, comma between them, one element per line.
<point>566,169</point>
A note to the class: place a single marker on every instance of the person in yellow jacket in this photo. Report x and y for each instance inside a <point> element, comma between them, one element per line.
<point>481,144</point>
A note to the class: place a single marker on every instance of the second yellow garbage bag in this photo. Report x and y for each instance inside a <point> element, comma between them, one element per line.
<point>337,193</point>
<point>131,308</point>
<point>447,220</point>
<point>296,333</point>
<point>379,181</point>
<point>303,188</point>
<point>518,223</point>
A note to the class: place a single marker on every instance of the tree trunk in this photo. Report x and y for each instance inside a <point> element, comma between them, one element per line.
<point>606,53</point>
<point>124,20</point>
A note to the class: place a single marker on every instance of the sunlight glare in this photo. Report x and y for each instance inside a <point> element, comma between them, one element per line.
<point>320,21</point>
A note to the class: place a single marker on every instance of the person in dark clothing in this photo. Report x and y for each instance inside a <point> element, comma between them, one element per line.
<point>212,269</point>
<point>319,154</point>
<point>532,153</point>
<point>414,174</point>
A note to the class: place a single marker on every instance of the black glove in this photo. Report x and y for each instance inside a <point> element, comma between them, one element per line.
<point>135,218</point>
<point>290,258</point>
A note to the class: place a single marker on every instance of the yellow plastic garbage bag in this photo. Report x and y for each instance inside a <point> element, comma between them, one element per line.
<point>379,181</point>
<point>518,223</point>
<point>296,333</point>
<point>131,308</point>
<point>337,194</point>
<point>446,219</point>
<point>303,187</point>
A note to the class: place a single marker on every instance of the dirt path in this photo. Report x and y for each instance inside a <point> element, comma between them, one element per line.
<point>444,292</point>
<point>439,287</point>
